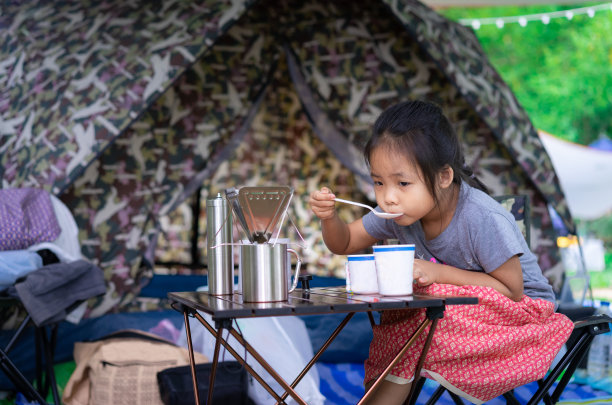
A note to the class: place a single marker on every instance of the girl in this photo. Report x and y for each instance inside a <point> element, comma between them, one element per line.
<point>466,244</point>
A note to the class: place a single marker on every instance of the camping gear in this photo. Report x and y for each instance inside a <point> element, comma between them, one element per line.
<point>27,217</point>
<point>231,384</point>
<point>264,263</point>
<point>262,208</point>
<point>377,213</point>
<point>232,196</point>
<point>103,366</point>
<point>219,246</point>
<point>394,268</point>
<point>264,269</point>
<point>361,274</point>
<point>124,122</point>
<point>45,338</point>
<point>52,292</point>
<point>317,301</point>
<point>284,343</point>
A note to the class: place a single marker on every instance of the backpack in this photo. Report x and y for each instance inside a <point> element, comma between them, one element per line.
<point>121,368</point>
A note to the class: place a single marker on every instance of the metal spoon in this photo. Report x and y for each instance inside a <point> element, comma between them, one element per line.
<point>386,215</point>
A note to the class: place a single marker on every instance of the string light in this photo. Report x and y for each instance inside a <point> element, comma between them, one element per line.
<point>545,18</point>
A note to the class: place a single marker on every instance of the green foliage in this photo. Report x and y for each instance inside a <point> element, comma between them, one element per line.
<point>602,228</point>
<point>560,72</point>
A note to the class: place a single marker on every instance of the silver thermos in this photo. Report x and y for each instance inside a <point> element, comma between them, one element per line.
<point>219,236</point>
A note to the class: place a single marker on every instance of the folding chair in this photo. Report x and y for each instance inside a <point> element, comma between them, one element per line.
<point>45,339</point>
<point>586,327</point>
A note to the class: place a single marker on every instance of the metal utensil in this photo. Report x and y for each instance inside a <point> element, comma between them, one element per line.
<point>263,207</point>
<point>231,194</point>
<point>386,215</point>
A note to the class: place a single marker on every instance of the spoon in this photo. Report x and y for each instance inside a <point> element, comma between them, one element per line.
<point>378,214</point>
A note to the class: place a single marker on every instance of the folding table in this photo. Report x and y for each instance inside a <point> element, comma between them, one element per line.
<point>324,300</point>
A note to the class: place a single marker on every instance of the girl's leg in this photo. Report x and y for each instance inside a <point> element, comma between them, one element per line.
<point>388,393</point>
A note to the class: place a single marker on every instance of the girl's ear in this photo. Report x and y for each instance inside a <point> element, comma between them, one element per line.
<point>445,177</point>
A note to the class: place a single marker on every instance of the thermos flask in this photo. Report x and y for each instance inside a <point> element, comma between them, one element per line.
<point>219,248</point>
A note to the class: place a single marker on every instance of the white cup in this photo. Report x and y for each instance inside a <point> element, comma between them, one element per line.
<point>361,274</point>
<point>394,268</point>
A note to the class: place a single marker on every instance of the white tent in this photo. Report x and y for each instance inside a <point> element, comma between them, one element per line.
<point>585,174</point>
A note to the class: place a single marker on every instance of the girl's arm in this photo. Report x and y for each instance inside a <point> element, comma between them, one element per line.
<point>339,237</point>
<point>507,278</point>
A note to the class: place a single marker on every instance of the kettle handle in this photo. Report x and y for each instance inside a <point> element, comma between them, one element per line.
<point>297,269</point>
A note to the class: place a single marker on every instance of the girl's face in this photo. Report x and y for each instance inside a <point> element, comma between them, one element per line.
<point>399,186</point>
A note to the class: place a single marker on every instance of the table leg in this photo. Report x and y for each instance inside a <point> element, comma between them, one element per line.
<point>371,318</point>
<point>237,357</point>
<point>396,359</point>
<point>417,370</point>
<point>215,362</point>
<point>319,353</point>
<point>267,367</point>
<point>194,379</point>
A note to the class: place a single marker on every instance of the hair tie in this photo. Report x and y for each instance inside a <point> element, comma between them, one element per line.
<point>468,170</point>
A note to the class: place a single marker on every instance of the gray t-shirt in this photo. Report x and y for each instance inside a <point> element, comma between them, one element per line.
<point>481,237</point>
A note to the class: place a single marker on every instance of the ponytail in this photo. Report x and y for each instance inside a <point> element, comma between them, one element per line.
<point>467,174</point>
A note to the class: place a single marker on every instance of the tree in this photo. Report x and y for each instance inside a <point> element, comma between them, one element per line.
<point>560,72</point>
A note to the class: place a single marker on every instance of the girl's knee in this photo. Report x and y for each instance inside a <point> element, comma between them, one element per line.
<point>387,393</point>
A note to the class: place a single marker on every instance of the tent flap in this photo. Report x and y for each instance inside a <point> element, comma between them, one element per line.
<point>123,110</point>
<point>76,74</point>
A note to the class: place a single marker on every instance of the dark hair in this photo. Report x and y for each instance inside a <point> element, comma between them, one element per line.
<point>420,131</point>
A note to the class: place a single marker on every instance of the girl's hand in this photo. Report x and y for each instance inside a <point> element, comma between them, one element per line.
<point>507,278</point>
<point>322,203</point>
<point>424,272</point>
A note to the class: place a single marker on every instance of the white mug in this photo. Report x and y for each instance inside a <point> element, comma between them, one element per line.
<point>361,274</point>
<point>394,265</point>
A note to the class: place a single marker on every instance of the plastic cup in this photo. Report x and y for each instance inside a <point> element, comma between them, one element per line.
<point>394,264</point>
<point>361,274</point>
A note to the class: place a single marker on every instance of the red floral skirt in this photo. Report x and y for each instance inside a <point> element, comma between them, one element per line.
<point>477,351</point>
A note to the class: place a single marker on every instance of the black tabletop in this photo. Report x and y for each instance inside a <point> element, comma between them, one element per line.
<point>323,300</point>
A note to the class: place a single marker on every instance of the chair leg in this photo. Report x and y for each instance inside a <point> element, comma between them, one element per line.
<point>436,395</point>
<point>11,370</point>
<point>419,382</point>
<point>18,379</point>
<point>569,362</point>
<point>456,398</point>
<point>48,349</point>
<point>510,398</point>
<point>569,372</point>
<point>40,384</point>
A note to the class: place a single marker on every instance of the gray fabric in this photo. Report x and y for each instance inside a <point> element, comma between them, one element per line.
<point>481,237</point>
<point>51,291</point>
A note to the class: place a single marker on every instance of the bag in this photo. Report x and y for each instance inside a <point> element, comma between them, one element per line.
<point>230,386</point>
<point>121,368</point>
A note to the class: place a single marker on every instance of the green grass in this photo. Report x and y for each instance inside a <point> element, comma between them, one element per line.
<point>63,371</point>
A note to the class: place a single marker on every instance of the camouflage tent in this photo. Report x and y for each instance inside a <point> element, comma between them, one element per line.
<point>124,109</point>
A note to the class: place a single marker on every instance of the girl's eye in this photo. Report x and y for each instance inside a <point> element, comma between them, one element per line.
<point>378,183</point>
<point>404,183</point>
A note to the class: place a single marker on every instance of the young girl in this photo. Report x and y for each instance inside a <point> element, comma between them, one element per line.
<point>466,244</point>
